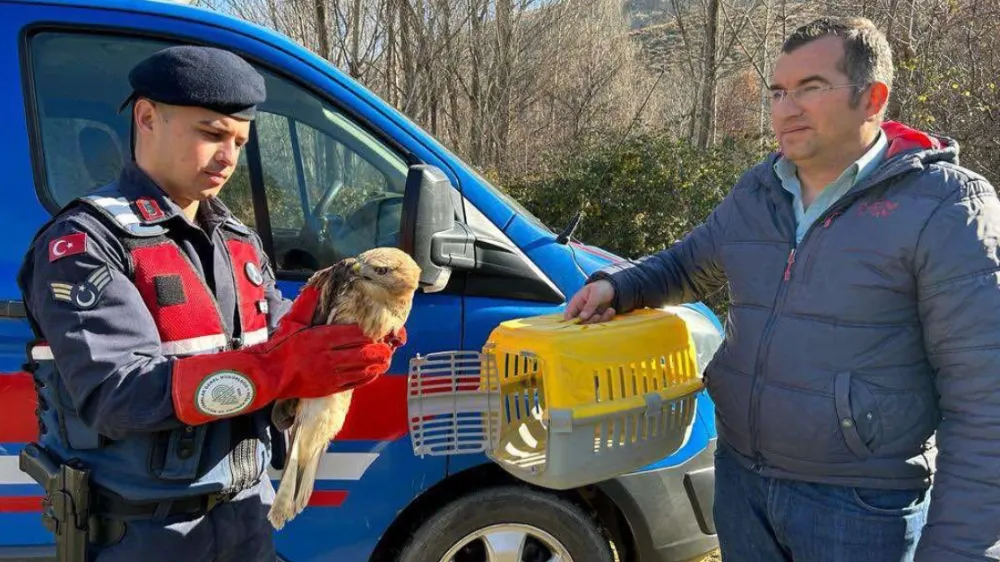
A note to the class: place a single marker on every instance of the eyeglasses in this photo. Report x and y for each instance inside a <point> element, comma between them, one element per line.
<point>807,94</point>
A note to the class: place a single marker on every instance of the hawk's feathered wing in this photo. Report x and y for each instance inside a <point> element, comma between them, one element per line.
<point>349,294</point>
<point>335,285</point>
<point>313,422</point>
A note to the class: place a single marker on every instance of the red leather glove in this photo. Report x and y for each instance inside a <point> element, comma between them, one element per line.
<point>298,361</point>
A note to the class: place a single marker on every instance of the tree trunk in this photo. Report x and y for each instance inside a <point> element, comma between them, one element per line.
<point>892,111</point>
<point>476,127</point>
<point>696,97</point>
<point>706,130</point>
<point>451,64</point>
<point>272,10</point>
<point>500,97</point>
<point>406,58</point>
<point>354,58</point>
<point>322,37</point>
<point>765,66</point>
<point>392,94</point>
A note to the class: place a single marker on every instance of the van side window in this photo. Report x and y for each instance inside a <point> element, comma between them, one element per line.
<point>80,81</point>
<point>333,190</point>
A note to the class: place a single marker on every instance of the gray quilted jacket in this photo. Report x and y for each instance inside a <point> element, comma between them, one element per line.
<point>843,355</point>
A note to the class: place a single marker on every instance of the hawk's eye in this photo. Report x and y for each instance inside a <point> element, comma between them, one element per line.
<point>381,270</point>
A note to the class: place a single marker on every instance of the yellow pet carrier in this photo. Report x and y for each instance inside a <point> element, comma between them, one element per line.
<point>560,404</point>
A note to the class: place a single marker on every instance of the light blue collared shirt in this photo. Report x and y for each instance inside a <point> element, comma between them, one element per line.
<point>861,168</point>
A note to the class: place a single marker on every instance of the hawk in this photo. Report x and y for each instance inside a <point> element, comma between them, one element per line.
<point>374,291</point>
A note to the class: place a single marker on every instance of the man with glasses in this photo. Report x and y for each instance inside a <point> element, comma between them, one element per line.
<point>864,327</point>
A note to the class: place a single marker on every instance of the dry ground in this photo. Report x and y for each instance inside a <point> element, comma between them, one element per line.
<point>715,557</point>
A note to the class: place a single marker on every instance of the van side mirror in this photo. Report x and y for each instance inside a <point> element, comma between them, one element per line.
<point>429,231</point>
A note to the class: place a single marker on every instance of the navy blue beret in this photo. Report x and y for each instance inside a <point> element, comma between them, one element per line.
<point>199,76</point>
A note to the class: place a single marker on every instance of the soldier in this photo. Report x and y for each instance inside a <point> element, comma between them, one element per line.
<point>162,341</point>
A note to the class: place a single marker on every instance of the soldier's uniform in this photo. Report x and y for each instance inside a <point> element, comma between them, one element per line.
<point>121,288</point>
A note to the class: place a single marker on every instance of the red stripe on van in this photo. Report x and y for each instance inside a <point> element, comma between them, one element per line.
<point>378,411</point>
<point>17,402</point>
<point>29,504</point>
<point>327,498</point>
<point>20,504</point>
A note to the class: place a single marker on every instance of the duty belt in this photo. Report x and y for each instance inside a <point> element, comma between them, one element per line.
<point>113,506</point>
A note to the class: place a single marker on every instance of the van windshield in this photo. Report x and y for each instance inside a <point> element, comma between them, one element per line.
<point>506,197</point>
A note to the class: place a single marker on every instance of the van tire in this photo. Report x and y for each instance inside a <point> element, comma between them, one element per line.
<point>571,527</point>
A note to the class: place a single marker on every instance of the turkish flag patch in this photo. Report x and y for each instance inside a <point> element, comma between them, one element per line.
<point>68,245</point>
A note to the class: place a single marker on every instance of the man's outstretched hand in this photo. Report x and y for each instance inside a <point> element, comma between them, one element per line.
<point>592,303</point>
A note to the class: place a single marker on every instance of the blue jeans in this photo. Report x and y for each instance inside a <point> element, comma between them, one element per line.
<point>761,519</point>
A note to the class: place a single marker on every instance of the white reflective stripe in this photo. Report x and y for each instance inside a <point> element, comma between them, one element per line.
<point>118,206</point>
<point>126,220</point>
<point>178,347</point>
<point>338,466</point>
<point>333,466</point>
<point>193,345</point>
<point>112,204</point>
<point>10,472</point>
<point>255,337</point>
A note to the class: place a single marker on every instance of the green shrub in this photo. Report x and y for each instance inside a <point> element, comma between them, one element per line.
<point>639,199</point>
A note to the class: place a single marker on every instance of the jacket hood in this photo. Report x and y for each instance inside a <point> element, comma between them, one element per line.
<point>903,138</point>
<point>909,148</point>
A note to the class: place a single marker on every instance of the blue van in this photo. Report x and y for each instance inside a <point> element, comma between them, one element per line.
<point>331,170</point>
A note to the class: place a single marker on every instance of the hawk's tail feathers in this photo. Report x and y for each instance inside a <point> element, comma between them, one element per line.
<point>307,478</point>
<point>283,509</point>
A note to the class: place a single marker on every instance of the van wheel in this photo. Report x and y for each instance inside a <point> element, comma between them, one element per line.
<point>508,524</point>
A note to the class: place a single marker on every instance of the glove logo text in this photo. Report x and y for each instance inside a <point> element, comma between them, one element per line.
<point>224,393</point>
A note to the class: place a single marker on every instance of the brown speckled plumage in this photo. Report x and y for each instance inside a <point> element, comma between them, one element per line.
<point>375,291</point>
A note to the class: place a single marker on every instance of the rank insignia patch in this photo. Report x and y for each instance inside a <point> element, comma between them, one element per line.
<point>86,293</point>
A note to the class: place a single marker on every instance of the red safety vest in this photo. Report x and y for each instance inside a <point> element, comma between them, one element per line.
<point>186,313</point>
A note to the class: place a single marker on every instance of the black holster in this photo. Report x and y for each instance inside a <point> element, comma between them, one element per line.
<point>66,506</point>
